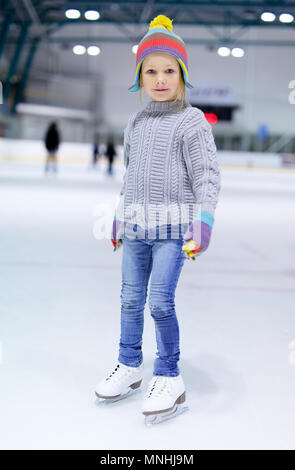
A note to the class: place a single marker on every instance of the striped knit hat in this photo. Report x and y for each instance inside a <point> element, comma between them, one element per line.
<point>160,38</point>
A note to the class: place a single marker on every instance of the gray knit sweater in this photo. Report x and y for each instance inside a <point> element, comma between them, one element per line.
<point>172,172</point>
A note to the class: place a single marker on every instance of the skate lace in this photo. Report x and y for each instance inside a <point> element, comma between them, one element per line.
<point>159,386</point>
<point>118,373</point>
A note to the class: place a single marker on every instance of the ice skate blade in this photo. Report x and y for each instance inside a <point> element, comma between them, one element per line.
<point>107,401</point>
<point>151,419</point>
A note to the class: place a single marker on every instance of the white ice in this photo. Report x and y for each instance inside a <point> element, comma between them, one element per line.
<point>60,318</point>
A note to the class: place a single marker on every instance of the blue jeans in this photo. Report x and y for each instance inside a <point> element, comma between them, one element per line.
<point>163,258</point>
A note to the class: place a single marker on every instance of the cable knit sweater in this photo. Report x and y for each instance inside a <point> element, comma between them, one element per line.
<point>172,172</point>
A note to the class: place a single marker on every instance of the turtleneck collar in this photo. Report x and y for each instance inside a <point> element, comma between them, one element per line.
<point>164,106</point>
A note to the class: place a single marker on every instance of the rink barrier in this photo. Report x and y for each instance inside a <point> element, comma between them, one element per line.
<point>33,151</point>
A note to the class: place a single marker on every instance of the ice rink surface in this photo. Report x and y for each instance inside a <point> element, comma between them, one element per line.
<point>60,318</point>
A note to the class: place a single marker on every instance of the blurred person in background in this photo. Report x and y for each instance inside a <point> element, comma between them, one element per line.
<point>110,154</point>
<point>52,141</point>
<point>96,151</point>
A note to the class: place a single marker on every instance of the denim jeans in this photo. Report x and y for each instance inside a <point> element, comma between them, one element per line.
<point>163,258</point>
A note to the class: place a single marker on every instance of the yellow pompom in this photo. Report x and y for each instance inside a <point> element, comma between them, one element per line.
<point>161,20</point>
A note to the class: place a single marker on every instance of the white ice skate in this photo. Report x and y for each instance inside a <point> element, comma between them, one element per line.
<point>123,381</point>
<point>164,399</point>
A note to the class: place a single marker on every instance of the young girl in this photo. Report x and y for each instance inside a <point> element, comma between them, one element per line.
<point>168,198</point>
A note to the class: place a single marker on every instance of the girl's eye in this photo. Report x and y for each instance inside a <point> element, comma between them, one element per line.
<point>151,70</point>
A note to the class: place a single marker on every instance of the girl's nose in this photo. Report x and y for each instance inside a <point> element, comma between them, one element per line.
<point>160,81</point>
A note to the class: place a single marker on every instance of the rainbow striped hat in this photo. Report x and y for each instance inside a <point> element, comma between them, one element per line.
<point>160,38</point>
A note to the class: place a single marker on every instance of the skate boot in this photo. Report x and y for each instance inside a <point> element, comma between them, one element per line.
<point>123,381</point>
<point>164,399</point>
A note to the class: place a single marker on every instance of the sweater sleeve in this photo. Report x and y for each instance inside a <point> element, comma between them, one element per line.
<point>200,155</point>
<point>127,135</point>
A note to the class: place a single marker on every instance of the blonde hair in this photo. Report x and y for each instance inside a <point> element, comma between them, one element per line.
<point>180,93</point>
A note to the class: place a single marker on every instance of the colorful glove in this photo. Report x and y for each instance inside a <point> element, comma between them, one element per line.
<point>117,233</point>
<point>197,237</point>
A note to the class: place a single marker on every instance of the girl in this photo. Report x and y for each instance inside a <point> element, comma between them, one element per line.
<point>168,198</point>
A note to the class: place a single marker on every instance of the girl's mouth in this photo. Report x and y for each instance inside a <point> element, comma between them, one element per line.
<point>163,89</point>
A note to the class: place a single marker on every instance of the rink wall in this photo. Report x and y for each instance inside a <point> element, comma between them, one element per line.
<point>34,151</point>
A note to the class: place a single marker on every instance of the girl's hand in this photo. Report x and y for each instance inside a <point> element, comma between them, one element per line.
<point>116,244</point>
<point>117,232</point>
<point>196,239</point>
<point>191,249</point>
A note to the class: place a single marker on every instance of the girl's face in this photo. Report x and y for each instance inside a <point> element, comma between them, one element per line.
<point>160,71</point>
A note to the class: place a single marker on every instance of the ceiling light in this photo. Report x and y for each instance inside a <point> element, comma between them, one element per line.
<point>223,51</point>
<point>72,14</point>
<point>93,50</point>
<point>91,15</point>
<point>268,16</point>
<point>237,52</point>
<point>79,49</point>
<point>286,18</point>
